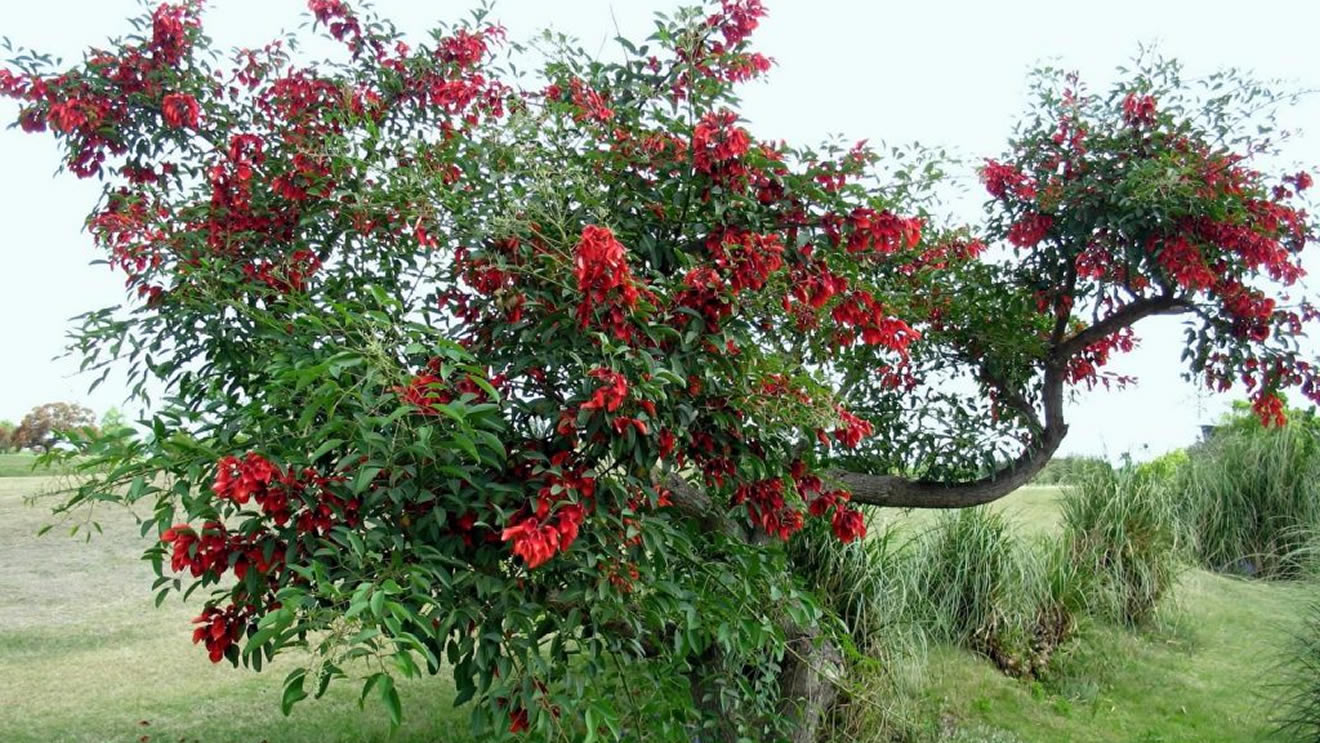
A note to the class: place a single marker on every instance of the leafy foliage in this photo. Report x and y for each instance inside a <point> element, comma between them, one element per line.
<point>43,425</point>
<point>529,379</point>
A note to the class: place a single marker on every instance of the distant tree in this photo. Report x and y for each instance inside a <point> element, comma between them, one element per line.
<point>6,436</point>
<point>113,422</point>
<point>39,427</point>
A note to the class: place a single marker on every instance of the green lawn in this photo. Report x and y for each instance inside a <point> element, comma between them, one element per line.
<point>1203,678</point>
<point>84,656</point>
<point>1201,674</point>
<point>17,465</point>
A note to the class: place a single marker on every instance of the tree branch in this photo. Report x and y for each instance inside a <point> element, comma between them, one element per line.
<point>900,492</point>
<point>1128,315</point>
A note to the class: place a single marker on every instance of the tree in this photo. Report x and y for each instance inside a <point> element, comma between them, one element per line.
<point>41,427</point>
<point>114,424</point>
<point>530,381</point>
<point>7,436</point>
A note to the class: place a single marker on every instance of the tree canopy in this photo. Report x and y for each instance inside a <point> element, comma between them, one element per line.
<point>528,377</point>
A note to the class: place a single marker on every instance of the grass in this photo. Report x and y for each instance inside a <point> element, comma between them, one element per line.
<point>1298,682</point>
<point>17,465</point>
<point>85,656</point>
<point>1252,499</point>
<point>1201,670</point>
<point>1202,678</point>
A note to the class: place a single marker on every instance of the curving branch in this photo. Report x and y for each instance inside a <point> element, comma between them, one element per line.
<point>1127,316</point>
<point>899,492</point>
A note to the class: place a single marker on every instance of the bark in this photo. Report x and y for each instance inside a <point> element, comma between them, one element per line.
<point>808,684</point>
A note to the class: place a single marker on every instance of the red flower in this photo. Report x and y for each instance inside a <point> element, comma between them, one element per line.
<point>1001,179</point>
<point>767,508</point>
<point>1030,230</point>
<point>848,524</point>
<point>169,37</point>
<point>609,396</point>
<point>536,540</point>
<point>426,392</point>
<point>518,721</point>
<point>220,629</point>
<point>179,110</point>
<point>1269,408</point>
<point>1138,110</point>
<point>852,430</point>
<point>718,141</point>
<point>237,481</point>
<point>603,277</point>
<point>666,441</point>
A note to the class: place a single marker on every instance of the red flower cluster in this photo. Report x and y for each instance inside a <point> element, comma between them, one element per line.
<point>1139,110</point>
<point>852,429</point>
<point>846,522</point>
<point>343,25</point>
<point>221,629</point>
<point>211,550</point>
<point>737,19</point>
<point>169,32</point>
<point>601,268</point>
<point>812,285</point>
<point>427,390</point>
<point>180,111</point>
<point>1085,366</point>
<point>717,143</point>
<point>1183,262</point>
<point>1030,230</point>
<point>466,49</point>
<point>881,232</point>
<point>861,312</point>
<point>1001,180</point>
<point>748,258</point>
<point>1301,180</point>
<point>554,523</point>
<point>198,553</point>
<point>1249,308</point>
<point>609,396</point>
<point>238,481</point>
<point>767,509</point>
<point>537,540</point>
<point>1269,408</point>
<point>590,103</point>
<point>706,294</point>
<point>279,494</point>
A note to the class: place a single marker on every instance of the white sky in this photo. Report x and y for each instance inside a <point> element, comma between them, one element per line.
<point>948,74</point>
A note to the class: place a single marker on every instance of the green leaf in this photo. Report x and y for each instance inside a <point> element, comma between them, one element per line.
<point>293,690</point>
<point>390,696</point>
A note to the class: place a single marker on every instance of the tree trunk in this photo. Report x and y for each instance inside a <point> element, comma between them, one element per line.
<point>808,684</point>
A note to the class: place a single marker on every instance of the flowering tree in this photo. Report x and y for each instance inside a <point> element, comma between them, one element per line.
<point>529,384</point>
<point>42,426</point>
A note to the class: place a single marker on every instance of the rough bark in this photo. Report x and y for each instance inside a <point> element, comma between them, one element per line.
<point>808,685</point>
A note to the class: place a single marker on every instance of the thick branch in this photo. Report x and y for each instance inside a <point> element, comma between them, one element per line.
<point>901,492</point>
<point>1125,317</point>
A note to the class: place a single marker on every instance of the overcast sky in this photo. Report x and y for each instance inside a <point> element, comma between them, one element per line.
<point>948,74</point>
